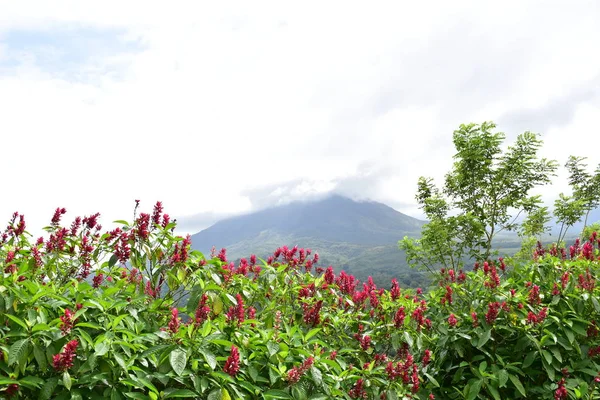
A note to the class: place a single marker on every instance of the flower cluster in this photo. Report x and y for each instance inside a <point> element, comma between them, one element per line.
<point>64,360</point>
<point>294,374</point>
<point>232,364</point>
<point>66,322</point>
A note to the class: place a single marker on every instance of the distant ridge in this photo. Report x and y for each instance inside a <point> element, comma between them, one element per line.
<point>359,236</point>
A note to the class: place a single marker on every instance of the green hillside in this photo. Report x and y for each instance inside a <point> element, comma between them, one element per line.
<point>360,237</point>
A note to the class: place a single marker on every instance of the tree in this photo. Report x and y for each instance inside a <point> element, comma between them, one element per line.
<point>586,196</point>
<point>485,193</point>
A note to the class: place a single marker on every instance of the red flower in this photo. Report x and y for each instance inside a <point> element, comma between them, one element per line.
<point>97,281</point>
<point>561,393</point>
<point>474,319</point>
<point>232,365</point>
<point>358,390</point>
<point>67,322</point>
<point>174,322</point>
<point>452,321</point>
<point>296,373</point>
<point>202,311</point>
<point>492,314</point>
<point>63,361</point>
<point>395,290</point>
<point>534,295</point>
<point>399,317</point>
<point>57,215</point>
<point>427,357</point>
<point>158,209</point>
<point>11,390</point>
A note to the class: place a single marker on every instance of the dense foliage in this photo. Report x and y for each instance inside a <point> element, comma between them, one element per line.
<point>133,313</point>
<point>484,193</point>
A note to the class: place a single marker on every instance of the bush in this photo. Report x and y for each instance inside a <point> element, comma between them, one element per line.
<point>133,313</point>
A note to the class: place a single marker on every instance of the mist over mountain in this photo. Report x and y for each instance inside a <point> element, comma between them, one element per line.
<point>358,236</point>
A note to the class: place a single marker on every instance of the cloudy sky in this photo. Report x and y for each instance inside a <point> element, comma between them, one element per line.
<point>231,107</point>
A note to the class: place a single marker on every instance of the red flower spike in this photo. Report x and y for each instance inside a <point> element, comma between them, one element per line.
<point>232,364</point>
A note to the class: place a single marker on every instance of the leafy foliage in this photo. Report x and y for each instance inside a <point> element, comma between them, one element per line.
<point>481,193</point>
<point>586,196</point>
<point>134,313</point>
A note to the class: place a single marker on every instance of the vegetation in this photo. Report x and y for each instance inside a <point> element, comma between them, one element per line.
<point>586,196</point>
<point>485,187</point>
<point>135,313</point>
<point>359,237</point>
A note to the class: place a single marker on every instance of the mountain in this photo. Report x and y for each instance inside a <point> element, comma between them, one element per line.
<point>359,237</point>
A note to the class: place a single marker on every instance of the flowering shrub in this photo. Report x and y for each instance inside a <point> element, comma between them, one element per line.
<point>529,331</point>
<point>134,313</point>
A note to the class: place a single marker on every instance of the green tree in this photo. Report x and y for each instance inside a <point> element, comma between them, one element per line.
<point>485,193</point>
<point>569,210</point>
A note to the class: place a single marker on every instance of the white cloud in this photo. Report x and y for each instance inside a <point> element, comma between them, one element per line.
<point>202,105</point>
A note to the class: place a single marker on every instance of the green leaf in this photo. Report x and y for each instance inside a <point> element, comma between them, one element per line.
<point>517,382</point>
<point>178,360</point>
<point>556,352</point>
<point>272,347</point>
<point>529,359</point>
<point>67,380</point>
<point>136,395</point>
<point>17,320</point>
<point>494,391</point>
<point>214,395</point>
<point>182,393</point>
<point>32,381</point>
<point>118,319</point>
<point>120,361</point>
<point>502,378</point>
<point>547,356</point>
<point>40,357</point>
<point>431,379</point>
<point>474,389</point>
<point>596,304</point>
<point>210,358</point>
<point>311,333</point>
<point>408,339</point>
<point>101,348</point>
<point>483,339</point>
<point>88,325</point>
<point>482,367</point>
<point>48,388</point>
<point>113,260</point>
<point>277,394</point>
<point>17,350</point>
<point>40,327</point>
<point>317,376</point>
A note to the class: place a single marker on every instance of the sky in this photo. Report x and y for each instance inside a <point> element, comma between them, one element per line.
<point>223,108</point>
